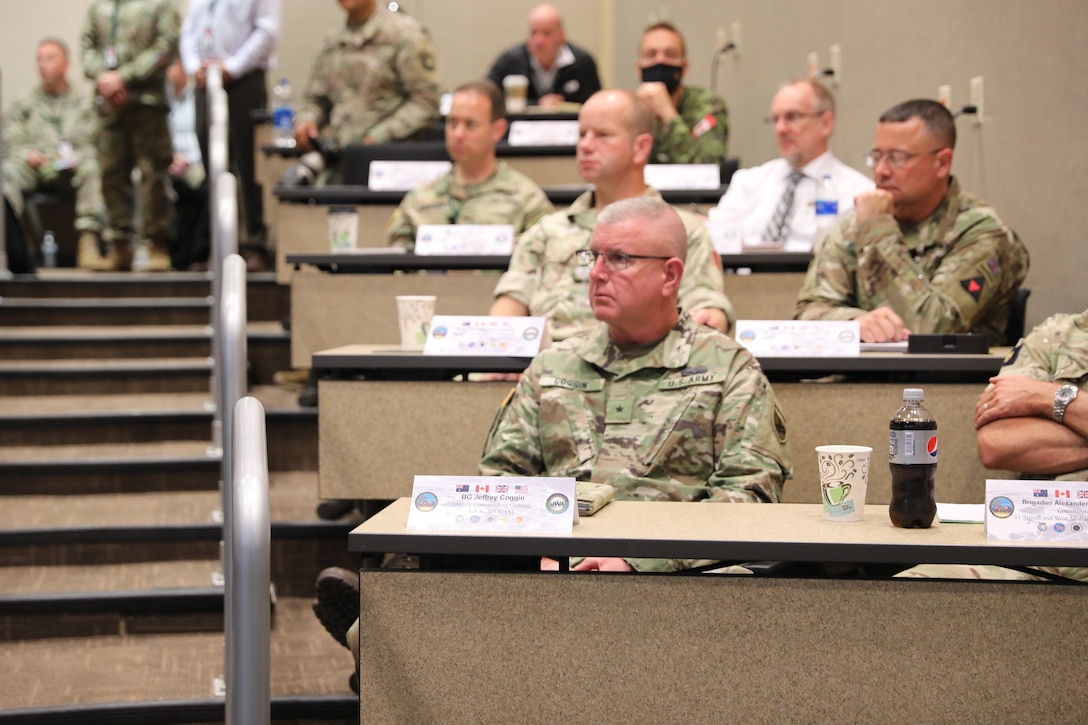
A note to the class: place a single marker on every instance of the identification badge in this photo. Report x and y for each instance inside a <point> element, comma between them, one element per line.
<point>66,157</point>
<point>206,39</point>
<point>110,56</point>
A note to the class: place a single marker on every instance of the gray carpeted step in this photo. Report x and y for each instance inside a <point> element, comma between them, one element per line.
<point>104,311</point>
<point>133,668</point>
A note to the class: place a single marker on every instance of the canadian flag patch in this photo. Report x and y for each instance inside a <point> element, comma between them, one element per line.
<point>706,123</point>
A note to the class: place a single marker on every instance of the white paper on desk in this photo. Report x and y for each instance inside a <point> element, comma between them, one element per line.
<point>683,176</point>
<point>484,335</point>
<point>404,175</point>
<point>493,503</point>
<point>465,239</point>
<point>799,338</point>
<point>543,133</point>
<point>1052,511</point>
<point>725,234</point>
<point>961,513</point>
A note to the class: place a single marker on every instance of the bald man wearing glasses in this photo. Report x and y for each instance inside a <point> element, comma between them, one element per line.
<point>919,254</point>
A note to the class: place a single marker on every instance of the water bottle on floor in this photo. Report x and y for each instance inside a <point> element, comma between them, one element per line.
<point>49,250</point>
<point>283,115</point>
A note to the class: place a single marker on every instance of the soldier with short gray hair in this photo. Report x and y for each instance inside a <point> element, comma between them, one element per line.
<point>648,401</point>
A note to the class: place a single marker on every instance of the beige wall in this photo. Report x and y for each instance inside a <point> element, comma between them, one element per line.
<point>1028,159</point>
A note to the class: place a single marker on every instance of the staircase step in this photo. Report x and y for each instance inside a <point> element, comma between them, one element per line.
<point>162,466</point>
<point>269,345</point>
<point>142,418</point>
<point>105,311</point>
<point>84,377</point>
<point>174,668</point>
<point>265,299</point>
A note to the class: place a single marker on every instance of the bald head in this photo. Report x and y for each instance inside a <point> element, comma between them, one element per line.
<point>546,35</point>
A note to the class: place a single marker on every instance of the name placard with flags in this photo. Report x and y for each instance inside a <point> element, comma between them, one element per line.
<point>800,338</point>
<point>1051,511</point>
<point>496,504</point>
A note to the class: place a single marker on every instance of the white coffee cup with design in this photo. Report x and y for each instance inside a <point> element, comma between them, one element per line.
<point>414,313</point>
<point>844,479</point>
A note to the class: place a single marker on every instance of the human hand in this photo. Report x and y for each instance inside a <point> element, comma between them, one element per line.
<point>656,96</point>
<point>550,100</point>
<point>35,159</point>
<point>109,84</point>
<point>711,317</point>
<point>1014,396</point>
<point>603,563</point>
<point>304,131</point>
<point>178,165</point>
<point>882,325</point>
<point>872,203</point>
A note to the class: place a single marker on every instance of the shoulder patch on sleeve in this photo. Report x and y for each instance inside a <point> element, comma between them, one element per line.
<point>706,123</point>
<point>973,286</point>
<point>1013,354</point>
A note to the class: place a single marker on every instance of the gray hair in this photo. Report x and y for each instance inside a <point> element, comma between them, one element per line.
<point>652,211</point>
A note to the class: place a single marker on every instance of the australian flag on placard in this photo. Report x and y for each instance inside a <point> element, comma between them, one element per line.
<point>462,488</point>
<point>1040,492</point>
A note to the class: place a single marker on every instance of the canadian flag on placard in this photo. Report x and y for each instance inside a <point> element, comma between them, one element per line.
<point>1059,493</point>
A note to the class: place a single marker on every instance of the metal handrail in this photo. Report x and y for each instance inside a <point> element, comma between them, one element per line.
<point>4,270</point>
<point>218,123</point>
<point>248,612</point>
<point>224,219</point>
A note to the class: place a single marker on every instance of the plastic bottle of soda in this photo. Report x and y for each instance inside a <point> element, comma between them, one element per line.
<point>912,457</point>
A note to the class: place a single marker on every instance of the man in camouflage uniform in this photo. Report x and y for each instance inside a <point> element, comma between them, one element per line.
<point>127,45</point>
<point>694,122</point>
<point>479,189</point>
<point>48,140</point>
<point>544,277</point>
<point>1026,422</point>
<point>649,402</point>
<point>918,253</point>
<point>374,80</point>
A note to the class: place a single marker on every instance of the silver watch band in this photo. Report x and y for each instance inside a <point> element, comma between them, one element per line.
<point>1065,395</point>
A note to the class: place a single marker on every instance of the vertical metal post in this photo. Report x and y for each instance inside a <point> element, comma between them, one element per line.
<point>218,120</point>
<point>249,626</point>
<point>4,270</point>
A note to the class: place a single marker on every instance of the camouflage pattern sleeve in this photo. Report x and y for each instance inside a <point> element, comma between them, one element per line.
<point>698,135</point>
<point>828,292</point>
<point>1055,351</point>
<point>417,68</point>
<point>93,43</point>
<point>16,133</point>
<point>703,284</point>
<point>536,206</point>
<point>513,446</point>
<point>400,231</point>
<point>316,98</point>
<point>520,278</point>
<point>958,271</point>
<point>152,59</point>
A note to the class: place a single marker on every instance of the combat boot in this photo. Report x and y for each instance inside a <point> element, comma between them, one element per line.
<point>158,258</point>
<point>89,252</point>
<point>118,258</point>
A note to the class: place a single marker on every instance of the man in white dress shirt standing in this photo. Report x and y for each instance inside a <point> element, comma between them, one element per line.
<point>775,202</point>
<point>240,37</point>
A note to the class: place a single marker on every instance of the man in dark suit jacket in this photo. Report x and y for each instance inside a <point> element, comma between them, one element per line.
<point>557,71</point>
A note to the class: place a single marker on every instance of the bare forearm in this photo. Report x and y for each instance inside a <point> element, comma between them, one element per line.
<point>1032,445</point>
<point>505,306</point>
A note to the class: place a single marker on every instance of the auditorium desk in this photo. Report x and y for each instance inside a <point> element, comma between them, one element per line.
<point>352,300</point>
<point>596,648</point>
<point>371,431</point>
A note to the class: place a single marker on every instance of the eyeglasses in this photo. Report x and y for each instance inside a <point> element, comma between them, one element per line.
<point>896,158</point>
<point>792,118</point>
<point>613,261</point>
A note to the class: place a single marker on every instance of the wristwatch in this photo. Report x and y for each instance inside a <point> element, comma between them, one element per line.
<point>1065,395</point>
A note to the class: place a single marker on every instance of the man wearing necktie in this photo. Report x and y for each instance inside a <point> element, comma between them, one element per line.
<point>774,202</point>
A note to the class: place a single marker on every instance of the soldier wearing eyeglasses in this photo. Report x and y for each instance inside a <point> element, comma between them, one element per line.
<point>544,277</point>
<point>919,254</point>
<point>647,401</point>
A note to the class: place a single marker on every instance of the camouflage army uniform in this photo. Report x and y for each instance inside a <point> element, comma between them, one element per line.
<point>378,79</point>
<point>143,37</point>
<point>698,135</point>
<point>956,271</point>
<point>1055,351</point>
<point>689,418</point>
<point>545,276</point>
<point>43,123</point>
<point>506,197</point>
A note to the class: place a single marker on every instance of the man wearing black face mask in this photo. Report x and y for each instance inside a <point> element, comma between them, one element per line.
<point>694,122</point>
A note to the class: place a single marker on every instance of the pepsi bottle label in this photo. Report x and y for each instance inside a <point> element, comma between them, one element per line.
<point>912,447</point>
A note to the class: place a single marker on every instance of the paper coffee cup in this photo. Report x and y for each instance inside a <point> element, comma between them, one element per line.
<point>343,228</point>
<point>516,88</point>
<point>414,313</point>
<point>844,479</point>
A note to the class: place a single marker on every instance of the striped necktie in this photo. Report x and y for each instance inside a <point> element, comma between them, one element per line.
<point>779,227</point>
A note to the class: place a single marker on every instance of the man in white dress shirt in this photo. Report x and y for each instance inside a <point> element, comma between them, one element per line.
<point>240,37</point>
<point>758,199</point>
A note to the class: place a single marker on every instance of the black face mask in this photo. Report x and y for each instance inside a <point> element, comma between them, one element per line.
<point>664,73</point>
